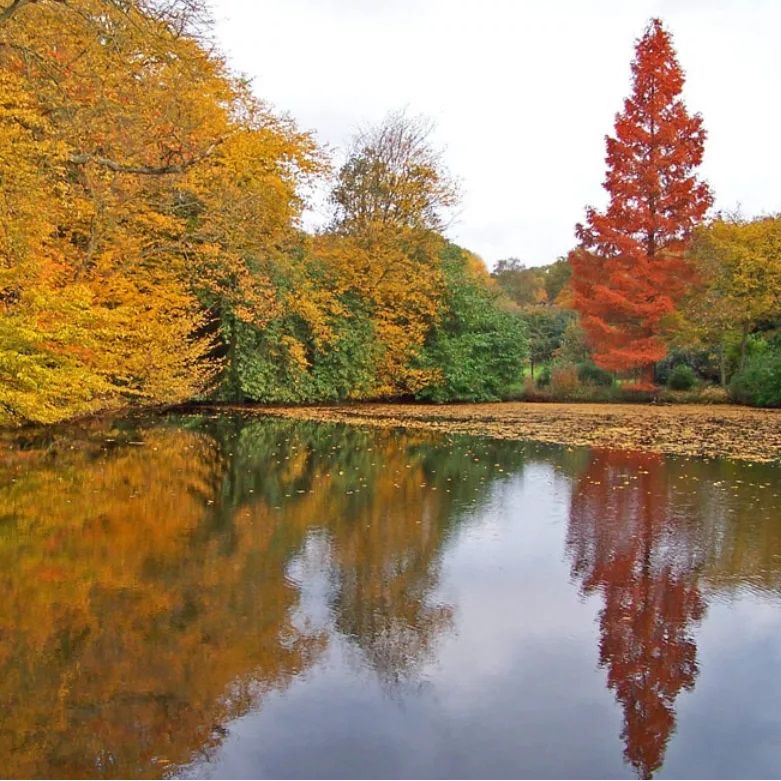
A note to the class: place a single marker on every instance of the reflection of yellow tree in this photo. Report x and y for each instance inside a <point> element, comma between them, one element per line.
<point>386,503</point>
<point>626,543</point>
<point>386,557</point>
<point>147,593</point>
<point>133,626</point>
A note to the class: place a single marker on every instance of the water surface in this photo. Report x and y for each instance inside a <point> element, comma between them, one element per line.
<point>235,597</point>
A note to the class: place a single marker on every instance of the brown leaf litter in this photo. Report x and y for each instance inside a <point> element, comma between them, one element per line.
<point>701,430</point>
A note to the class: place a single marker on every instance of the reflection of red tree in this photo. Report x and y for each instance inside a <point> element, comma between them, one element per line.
<point>626,543</point>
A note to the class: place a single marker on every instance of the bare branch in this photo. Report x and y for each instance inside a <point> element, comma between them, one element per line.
<point>145,170</point>
<point>17,5</point>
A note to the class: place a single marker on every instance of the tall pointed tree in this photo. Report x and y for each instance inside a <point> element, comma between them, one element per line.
<point>628,272</point>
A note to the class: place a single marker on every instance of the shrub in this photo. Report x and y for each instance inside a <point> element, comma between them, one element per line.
<point>544,377</point>
<point>564,379</point>
<point>759,383</point>
<point>636,392</point>
<point>682,377</point>
<point>713,394</point>
<point>591,374</point>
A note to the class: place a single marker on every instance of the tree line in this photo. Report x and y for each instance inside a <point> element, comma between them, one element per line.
<point>152,250</point>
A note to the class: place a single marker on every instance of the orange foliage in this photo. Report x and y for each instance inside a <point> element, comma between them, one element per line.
<point>629,273</point>
<point>627,545</point>
<point>145,191</point>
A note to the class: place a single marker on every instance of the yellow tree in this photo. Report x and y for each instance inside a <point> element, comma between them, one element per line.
<point>739,266</point>
<point>391,201</point>
<point>163,188</point>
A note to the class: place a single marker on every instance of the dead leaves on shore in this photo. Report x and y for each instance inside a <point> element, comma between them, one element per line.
<point>710,431</point>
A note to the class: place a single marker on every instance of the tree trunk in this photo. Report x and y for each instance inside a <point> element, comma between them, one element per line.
<point>647,374</point>
<point>722,365</point>
<point>234,381</point>
<point>743,345</point>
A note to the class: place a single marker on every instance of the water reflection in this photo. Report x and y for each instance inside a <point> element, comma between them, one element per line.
<point>626,544</point>
<point>145,577</point>
<point>156,577</point>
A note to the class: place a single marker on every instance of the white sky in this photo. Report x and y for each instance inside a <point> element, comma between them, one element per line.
<point>522,94</point>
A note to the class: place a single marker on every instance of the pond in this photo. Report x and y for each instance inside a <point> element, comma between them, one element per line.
<point>229,596</point>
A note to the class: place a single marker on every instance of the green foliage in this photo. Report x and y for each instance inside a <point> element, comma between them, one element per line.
<point>545,327</point>
<point>477,347</point>
<point>573,347</point>
<point>591,374</point>
<point>269,365</point>
<point>473,352</point>
<point>682,377</point>
<point>759,382</point>
<point>704,362</point>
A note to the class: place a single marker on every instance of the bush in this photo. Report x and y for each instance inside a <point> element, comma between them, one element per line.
<point>543,378</point>
<point>682,377</point>
<point>591,374</point>
<point>704,362</point>
<point>759,383</point>
<point>564,380</point>
<point>713,394</point>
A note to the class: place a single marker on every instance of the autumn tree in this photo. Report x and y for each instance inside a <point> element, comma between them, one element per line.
<point>149,200</point>
<point>391,199</point>
<point>628,273</point>
<point>738,290</point>
<point>393,177</point>
<point>532,285</point>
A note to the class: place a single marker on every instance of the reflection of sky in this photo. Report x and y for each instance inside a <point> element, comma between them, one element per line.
<point>730,725</point>
<point>514,687</point>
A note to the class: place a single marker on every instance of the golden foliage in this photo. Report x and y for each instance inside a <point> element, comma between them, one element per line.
<point>144,192</point>
<point>739,265</point>
<point>395,272</point>
<point>148,596</point>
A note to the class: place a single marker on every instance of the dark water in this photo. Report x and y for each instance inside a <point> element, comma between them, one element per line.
<point>218,596</point>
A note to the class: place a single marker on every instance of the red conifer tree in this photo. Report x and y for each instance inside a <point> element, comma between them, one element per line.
<point>628,272</point>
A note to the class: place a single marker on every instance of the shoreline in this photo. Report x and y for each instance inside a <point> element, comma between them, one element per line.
<point>708,431</point>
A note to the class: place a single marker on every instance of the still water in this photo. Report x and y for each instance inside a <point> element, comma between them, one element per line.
<point>227,596</point>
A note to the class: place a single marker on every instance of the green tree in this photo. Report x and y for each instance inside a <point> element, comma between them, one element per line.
<point>545,327</point>
<point>478,346</point>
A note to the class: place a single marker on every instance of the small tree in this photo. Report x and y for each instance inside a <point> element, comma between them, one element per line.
<point>393,179</point>
<point>629,273</point>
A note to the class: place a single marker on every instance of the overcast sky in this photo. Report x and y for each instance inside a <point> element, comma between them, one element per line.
<point>522,94</point>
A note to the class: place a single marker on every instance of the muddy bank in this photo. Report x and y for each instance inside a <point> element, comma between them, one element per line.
<point>702,430</point>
